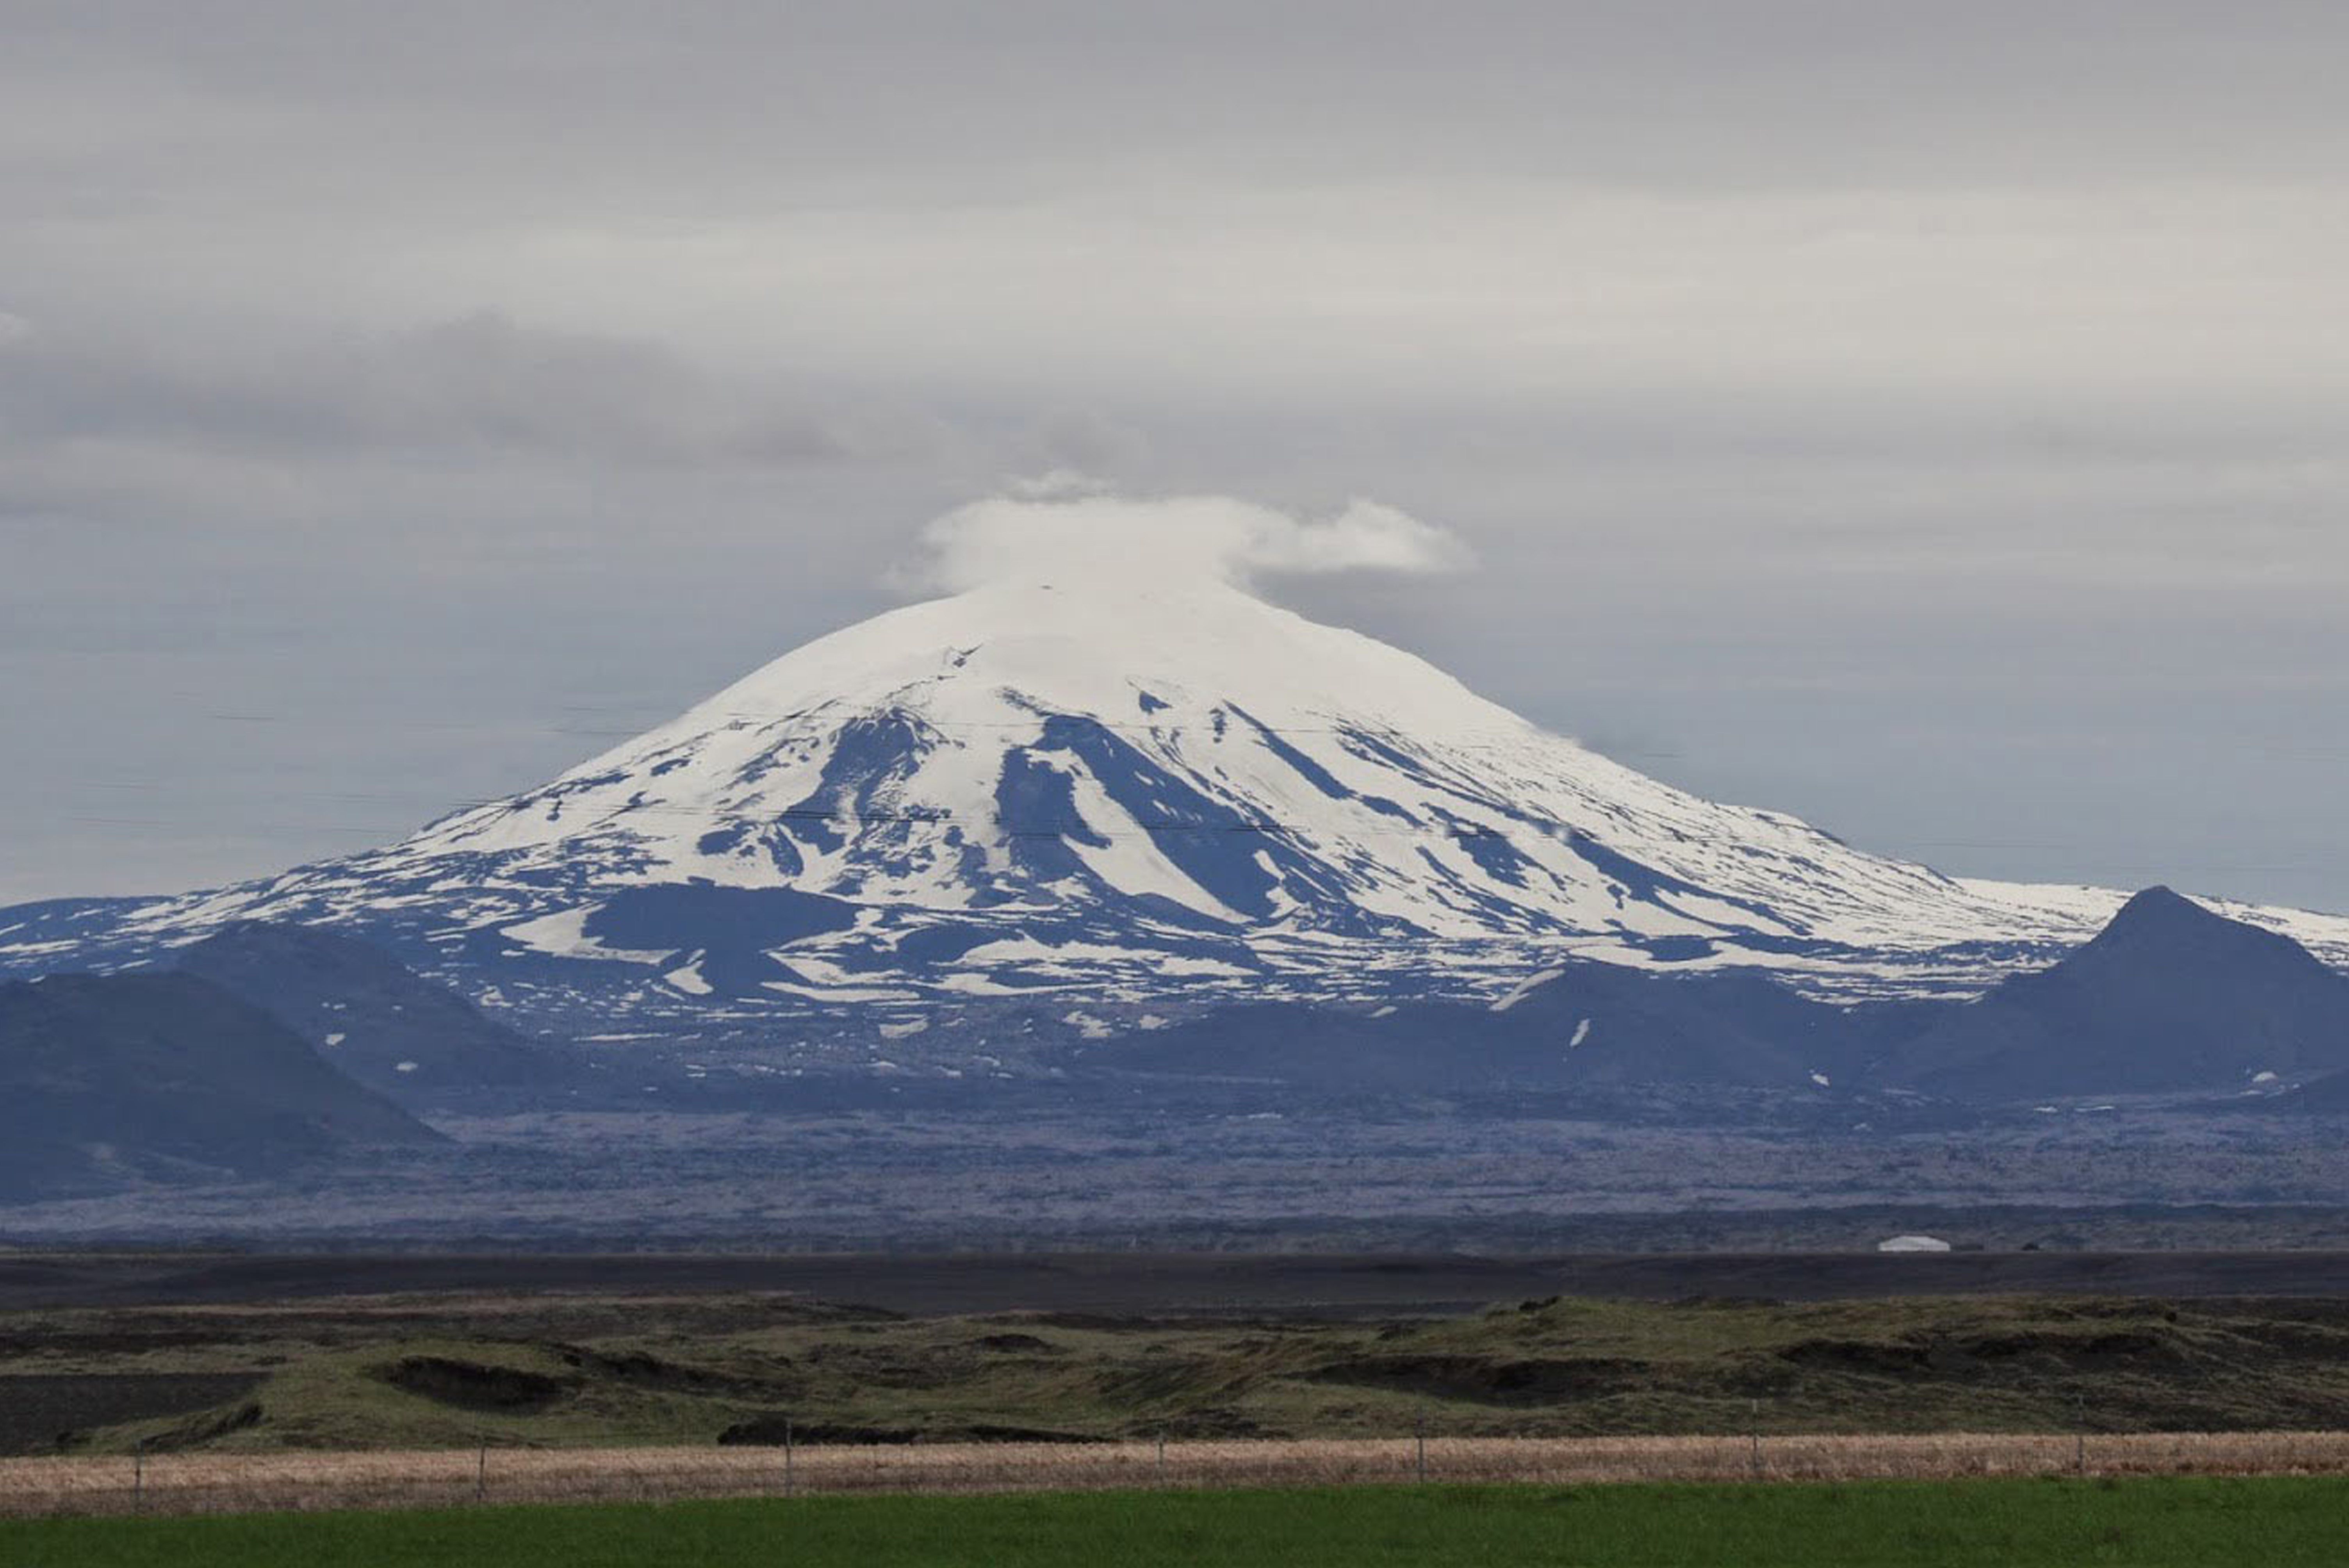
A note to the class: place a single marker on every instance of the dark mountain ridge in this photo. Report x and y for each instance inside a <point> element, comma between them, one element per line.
<point>107,1080</point>
<point>415,1042</point>
<point>2168,998</point>
<point>112,1078</point>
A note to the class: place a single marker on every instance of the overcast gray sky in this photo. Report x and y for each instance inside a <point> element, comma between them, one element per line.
<point>1930,420</point>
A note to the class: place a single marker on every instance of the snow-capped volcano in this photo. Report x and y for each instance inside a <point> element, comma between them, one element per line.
<point>1196,758</point>
<point>1123,794</point>
<point>1098,786</point>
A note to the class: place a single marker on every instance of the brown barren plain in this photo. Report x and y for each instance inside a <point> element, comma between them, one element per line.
<point>225,1483</point>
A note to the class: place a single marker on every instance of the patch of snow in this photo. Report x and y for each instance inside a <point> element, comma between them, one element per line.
<point>966,985</point>
<point>563,935</point>
<point>1582,1033</point>
<point>1526,988</point>
<point>403,1066</point>
<point>337,1038</point>
<point>842,994</point>
<point>1029,952</point>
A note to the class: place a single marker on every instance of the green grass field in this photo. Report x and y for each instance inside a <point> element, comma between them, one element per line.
<point>2274,1522</point>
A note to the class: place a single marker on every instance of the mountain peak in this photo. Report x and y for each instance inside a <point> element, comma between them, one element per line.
<point>2159,906</point>
<point>2159,922</point>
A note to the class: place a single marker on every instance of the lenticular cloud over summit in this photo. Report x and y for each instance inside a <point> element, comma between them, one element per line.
<point>1077,538</point>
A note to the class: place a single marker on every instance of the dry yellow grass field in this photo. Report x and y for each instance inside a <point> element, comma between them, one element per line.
<point>216,1482</point>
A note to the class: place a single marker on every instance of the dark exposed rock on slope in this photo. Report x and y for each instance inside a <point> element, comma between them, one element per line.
<point>109,1079</point>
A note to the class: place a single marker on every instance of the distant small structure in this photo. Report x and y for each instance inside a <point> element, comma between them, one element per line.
<point>1913,1244</point>
<point>2055,1242</point>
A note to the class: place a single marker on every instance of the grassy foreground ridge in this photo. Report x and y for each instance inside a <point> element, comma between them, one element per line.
<point>2191,1523</point>
<point>417,1373</point>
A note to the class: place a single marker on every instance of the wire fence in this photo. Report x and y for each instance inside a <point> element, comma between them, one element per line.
<point>256,1483</point>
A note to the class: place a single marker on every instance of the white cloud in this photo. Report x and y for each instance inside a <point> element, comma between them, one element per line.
<point>1056,529</point>
<point>1366,536</point>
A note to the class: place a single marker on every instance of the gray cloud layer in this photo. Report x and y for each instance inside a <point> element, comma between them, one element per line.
<point>1927,419</point>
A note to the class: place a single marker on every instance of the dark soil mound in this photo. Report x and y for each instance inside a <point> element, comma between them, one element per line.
<point>770,1430</point>
<point>2113,1350</point>
<point>2109,1350</point>
<point>471,1386</point>
<point>987,1432</point>
<point>1490,1382</point>
<point>641,1370</point>
<point>203,1429</point>
<point>775,1430</point>
<point>1898,1359</point>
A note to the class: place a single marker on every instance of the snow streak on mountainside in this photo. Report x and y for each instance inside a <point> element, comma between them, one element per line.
<point>1026,789</point>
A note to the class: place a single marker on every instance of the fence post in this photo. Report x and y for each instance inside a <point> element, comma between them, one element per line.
<point>481,1473</point>
<point>1757,1439</point>
<point>2080,1434</point>
<point>1161,1458</point>
<point>1419,1431</point>
<point>787,1455</point>
<point>138,1477</point>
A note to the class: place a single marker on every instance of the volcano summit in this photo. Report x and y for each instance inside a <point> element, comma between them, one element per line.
<point>1128,799</point>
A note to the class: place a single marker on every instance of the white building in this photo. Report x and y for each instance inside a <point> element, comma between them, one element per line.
<point>1913,1244</point>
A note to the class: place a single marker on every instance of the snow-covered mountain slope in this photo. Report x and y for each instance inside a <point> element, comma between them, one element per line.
<point>1128,795</point>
